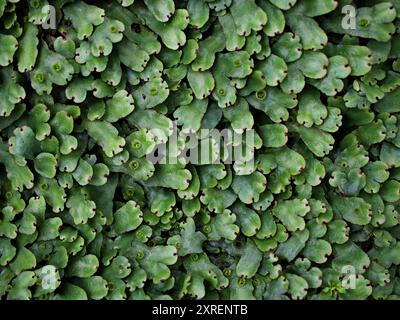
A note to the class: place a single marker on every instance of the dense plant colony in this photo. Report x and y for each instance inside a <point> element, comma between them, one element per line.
<point>86,215</point>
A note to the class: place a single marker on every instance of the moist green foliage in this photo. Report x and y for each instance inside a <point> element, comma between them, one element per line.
<point>84,213</point>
